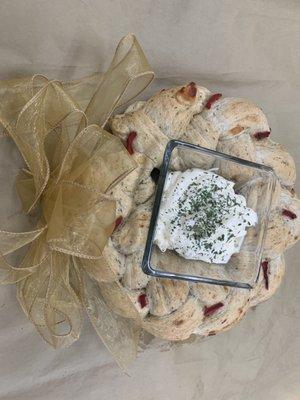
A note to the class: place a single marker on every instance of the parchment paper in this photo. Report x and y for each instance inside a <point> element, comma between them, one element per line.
<point>244,48</point>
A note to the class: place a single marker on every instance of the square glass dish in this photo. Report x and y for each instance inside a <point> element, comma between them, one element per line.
<point>254,181</point>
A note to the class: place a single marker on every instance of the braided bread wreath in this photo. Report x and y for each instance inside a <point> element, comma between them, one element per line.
<point>174,310</point>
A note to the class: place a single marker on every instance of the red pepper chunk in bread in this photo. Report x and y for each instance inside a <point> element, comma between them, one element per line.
<point>143,300</point>
<point>265,268</point>
<point>188,93</point>
<point>118,222</point>
<point>212,309</point>
<point>129,142</point>
<point>289,214</point>
<point>261,135</point>
<point>212,100</point>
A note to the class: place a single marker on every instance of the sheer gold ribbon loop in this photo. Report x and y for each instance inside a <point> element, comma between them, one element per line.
<point>40,116</point>
<point>12,241</point>
<point>50,303</point>
<point>80,220</point>
<point>128,75</point>
<point>36,256</point>
<point>70,166</point>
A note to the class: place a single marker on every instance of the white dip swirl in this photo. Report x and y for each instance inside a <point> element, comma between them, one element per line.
<point>201,217</point>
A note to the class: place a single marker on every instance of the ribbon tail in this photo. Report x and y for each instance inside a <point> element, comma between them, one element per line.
<point>51,304</point>
<point>119,335</point>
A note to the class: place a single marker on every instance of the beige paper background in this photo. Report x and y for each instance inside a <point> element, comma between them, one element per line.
<point>244,48</point>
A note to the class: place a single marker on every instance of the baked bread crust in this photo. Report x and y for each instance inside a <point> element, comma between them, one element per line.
<point>174,310</point>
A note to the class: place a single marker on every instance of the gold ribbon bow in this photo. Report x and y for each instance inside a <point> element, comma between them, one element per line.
<point>71,163</point>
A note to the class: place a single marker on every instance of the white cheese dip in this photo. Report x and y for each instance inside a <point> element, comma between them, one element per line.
<point>201,217</point>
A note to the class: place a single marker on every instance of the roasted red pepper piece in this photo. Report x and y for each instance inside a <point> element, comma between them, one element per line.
<point>130,139</point>
<point>188,92</point>
<point>143,300</point>
<point>265,268</point>
<point>192,89</point>
<point>261,135</point>
<point>118,222</point>
<point>289,214</point>
<point>212,99</point>
<point>212,309</point>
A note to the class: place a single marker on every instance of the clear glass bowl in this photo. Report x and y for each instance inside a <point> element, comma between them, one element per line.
<point>257,184</point>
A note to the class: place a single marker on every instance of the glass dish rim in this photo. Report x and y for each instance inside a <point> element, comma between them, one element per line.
<point>146,261</point>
